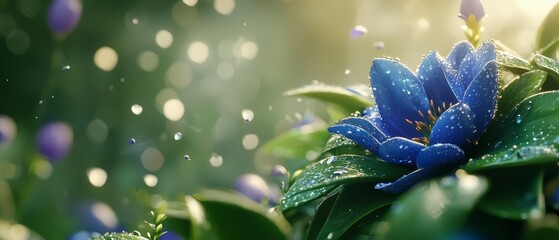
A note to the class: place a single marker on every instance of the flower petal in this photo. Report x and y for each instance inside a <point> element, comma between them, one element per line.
<point>440,155</point>
<point>358,135</point>
<point>372,114</point>
<point>400,150</point>
<point>399,95</point>
<point>458,52</point>
<point>366,125</point>
<point>456,126</point>
<point>474,62</point>
<point>481,96</point>
<point>409,180</point>
<point>432,72</point>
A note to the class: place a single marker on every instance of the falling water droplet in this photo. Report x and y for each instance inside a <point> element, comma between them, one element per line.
<point>41,102</point>
<point>518,119</point>
<point>347,72</point>
<point>136,109</point>
<point>178,136</point>
<point>66,68</point>
<point>132,141</point>
<point>186,157</point>
<point>247,115</point>
<point>379,45</point>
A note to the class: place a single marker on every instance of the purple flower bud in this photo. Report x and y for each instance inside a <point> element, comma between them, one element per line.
<point>253,186</point>
<point>279,171</point>
<point>54,140</point>
<point>358,31</point>
<point>64,15</point>
<point>471,7</point>
<point>8,129</point>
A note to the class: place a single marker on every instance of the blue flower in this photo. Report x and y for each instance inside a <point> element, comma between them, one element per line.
<point>428,119</point>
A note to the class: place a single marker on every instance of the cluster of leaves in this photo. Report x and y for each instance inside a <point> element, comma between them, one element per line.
<point>498,194</point>
<point>211,214</point>
<point>156,231</point>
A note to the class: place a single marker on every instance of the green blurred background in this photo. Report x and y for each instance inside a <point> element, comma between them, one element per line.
<point>223,57</point>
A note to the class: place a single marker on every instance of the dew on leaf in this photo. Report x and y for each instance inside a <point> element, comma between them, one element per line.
<point>518,119</point>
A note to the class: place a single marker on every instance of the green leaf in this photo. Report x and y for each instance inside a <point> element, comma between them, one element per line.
<point>355,202</point>
<point>519,89</point>
<point>434,209</point>
<point>513,63</point>
<point>198,223</point>
<point>338,145</point>
<point>547,64</point>
<point>546,227</point>
<point>233,216</point>
<point>352,98</point>
<point>547,38</point>
<point>320,216</point>
<point>295,143</point>
<point>337,170</point>
<point>515,193</point>
<point>528,135</point>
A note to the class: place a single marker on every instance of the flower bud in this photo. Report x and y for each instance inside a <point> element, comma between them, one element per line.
<point>254,187</point>
<point>471,8</point>
<point>54,140</point>
<point>279,171</point>
<point>64,15</point>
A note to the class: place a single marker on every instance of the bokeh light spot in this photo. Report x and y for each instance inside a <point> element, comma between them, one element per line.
<point>152,159</point>
<point>18,41</point>
<point>250,141</point>
<point>105,58</point>
<point>198,52</point>
<point>224,7</point>
<point>164,38</point>
<point>97,177</point>
<point>179,75</point>
<point>150,180</point>
<point>173,109</point>
<point>148,61</point>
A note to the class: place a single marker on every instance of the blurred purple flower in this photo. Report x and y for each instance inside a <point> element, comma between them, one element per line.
<point>471,7</point>
<point>54,140</point>
<point>254,187</point>
<point>64,15</point>
<point>358,31</point>
<point>279,171</point>
<point>8,129</point>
